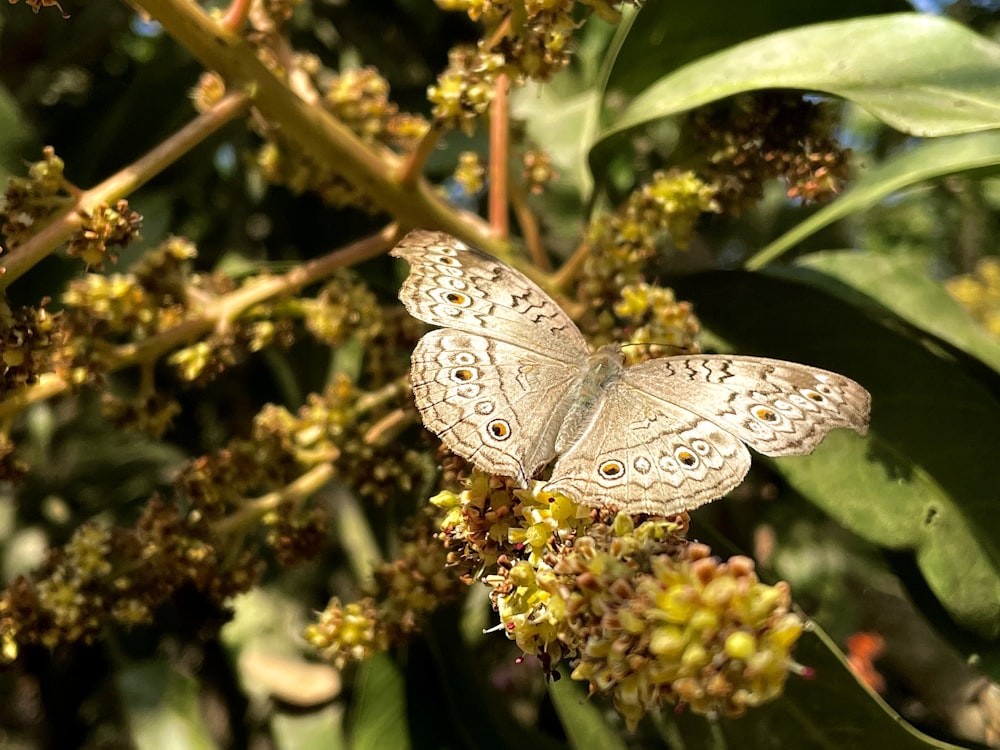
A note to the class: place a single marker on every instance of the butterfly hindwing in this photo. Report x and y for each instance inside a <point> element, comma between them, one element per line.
<point>643,455</point>
<point>493,403</point>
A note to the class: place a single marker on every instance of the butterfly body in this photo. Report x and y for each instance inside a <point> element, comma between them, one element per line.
<point>510,383</point>
<point>603,371</point>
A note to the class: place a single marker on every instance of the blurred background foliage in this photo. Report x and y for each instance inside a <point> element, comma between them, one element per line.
<point>819,180</point>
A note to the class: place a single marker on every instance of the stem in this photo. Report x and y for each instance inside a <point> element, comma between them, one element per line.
<point>297,490</point>
<point>409,173</point>
<point>529,227</point>
<point>236,15</point>
<point>569,269</point>
<point>499,152</point>
<point>119,185</point>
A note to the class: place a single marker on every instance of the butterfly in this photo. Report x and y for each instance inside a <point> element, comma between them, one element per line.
<point>509,383</point>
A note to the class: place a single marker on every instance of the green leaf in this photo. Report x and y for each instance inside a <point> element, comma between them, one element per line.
<point>666,36</point>
<point>452,703</point>
<point>901,284</point>
<point>921,74</point>
<point>162,706</point>
<point>16,143</point>
<point>581,718</point>
<point>924,162</point>
<point>319,729</point>
<point>828,712</point>
<point>563,118</point>
<point>565,126</point>
<point>927,478</point>
<point>378,719</point>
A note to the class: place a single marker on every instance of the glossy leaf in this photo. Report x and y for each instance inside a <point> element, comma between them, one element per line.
<point>665,36</point>
<point>919,482</point>
<point>920,74</point>
<point>378,719</point>
<point>312,730</point>
<point>901,284</point>
<point>583,719</point>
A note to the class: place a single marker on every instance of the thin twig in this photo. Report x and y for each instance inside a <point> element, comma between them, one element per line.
<point>223,309</point>
<point>296,491</point>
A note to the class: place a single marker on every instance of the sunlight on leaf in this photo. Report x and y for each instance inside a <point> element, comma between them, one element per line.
<point>924,162</point>
<point>378,719</point>
<point>581,718</point>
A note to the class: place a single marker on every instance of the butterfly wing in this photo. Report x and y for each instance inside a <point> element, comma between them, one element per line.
<point>451,284</point>
<point>778,408</point>
<point>496,404</point>
<point>640,454</point>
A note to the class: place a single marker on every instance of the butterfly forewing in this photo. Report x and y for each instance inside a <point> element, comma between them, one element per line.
<point>778,408</point>
<point>451,284</point>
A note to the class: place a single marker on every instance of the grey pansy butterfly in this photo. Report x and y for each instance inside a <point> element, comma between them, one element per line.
<point>510,383</point>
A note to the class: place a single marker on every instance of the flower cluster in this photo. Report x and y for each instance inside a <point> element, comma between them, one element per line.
<point>239,500</point>
<point>149,411</point>
<point>538,35</point>
<point>344,307</point>
<point>30,341</point>
<point>642,614</point>
<point>538,171</point>
<point>29,201</point>
<point>116,575</point>
<point>658,621</point>
<point>621,244</point>
<point>465,89</point>
<point>656,322</point>
<point>358,98</point>
<point>979,293</point>
<point>105,311</point>
<point>470,174</point>
<point>400,596</point>
<point>101,230</point>
<point>754,138</point>
<point>348,632</point>
<point>282,445</point>
<point>37,5</point>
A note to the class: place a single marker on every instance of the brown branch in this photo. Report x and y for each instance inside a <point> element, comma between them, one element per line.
<point>568,271</point>
<point>529,227</point>
<point>236,15</point>
<point>119,185</point>
<point>413,164</point>
<point>296,491</point>
<point>327,139</point>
